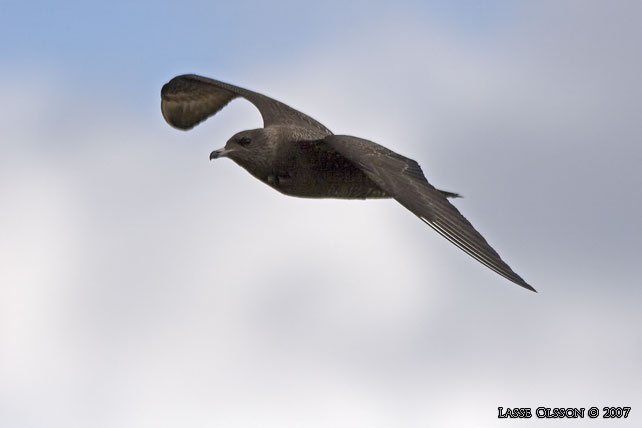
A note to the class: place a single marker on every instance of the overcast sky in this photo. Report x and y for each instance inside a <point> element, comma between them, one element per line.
<point>143,286</point>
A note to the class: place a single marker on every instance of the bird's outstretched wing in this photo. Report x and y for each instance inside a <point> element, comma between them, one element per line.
<point>403,179</point>
<point>189,99</point>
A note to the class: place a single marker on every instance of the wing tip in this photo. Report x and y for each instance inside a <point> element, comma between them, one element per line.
<point>516,279</point>
<point>525,285</point>
<point>189,99</point>
<point>175,121</point>
<point>504,270</point>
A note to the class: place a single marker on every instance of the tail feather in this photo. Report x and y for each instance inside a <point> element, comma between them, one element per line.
<point>450,194</point>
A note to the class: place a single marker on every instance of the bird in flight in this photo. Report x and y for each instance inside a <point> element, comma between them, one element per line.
<point>298,156</point>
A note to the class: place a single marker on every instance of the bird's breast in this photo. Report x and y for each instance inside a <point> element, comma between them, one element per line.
<point>332,183</point>
<point>310,169</point>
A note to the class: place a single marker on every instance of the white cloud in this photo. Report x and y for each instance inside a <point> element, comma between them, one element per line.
<point>142,285</point>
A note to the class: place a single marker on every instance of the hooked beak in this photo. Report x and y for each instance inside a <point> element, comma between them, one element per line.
<point>220,153</point>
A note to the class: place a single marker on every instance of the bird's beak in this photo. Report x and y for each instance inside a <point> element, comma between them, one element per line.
<point>220,153</point>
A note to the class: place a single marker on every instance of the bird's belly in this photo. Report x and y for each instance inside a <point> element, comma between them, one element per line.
<point>326,186</point>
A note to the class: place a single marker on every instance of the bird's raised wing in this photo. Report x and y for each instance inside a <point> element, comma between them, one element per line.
<point>403,179</point>
<point>189,99</point>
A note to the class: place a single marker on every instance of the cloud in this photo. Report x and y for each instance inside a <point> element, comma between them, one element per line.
<point>143,285</point>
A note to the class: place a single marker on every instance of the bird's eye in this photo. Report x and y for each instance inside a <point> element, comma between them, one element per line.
<point>245,141</point>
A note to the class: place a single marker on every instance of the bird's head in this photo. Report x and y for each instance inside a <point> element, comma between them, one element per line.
<point>256,150</point>
<point>253,149</point>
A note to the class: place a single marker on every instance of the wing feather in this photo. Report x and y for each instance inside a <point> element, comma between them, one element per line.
<point>189,99</point>
<point>403,179</point>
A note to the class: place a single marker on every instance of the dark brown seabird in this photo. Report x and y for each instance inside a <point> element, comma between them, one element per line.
<point>298,156</point>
